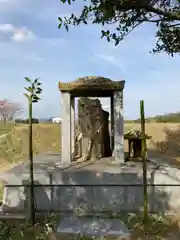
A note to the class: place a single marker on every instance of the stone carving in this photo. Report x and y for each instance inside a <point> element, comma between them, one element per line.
<point>93,124</point>
<point>90,121</point>
<point>77,151</point>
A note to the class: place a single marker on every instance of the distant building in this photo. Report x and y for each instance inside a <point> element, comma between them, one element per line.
<point>56,120</point>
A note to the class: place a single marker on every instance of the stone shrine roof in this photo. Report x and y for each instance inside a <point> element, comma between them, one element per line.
<point>91,83</point>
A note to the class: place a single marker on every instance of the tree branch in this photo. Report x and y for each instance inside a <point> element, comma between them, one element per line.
<point>149,8</point>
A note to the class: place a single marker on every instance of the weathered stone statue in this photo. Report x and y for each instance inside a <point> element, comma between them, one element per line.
<point>93,124</point>
<point>77,151</point>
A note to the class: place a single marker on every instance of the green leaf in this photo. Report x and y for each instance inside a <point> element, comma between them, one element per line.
<point>26,95</point>
<point>33,87</point>
<point>59,25</point>
<point>36,80</point>
<point>28,79</point>
<point>39,84</point>
<point>29,89</point>
<point>34,101</point>
<point>35,97</point>
<point>66,27</point>
<point>60,22</point>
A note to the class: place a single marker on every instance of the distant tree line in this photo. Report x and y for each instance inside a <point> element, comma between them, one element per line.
<point>166,118</point>
<point>26,121</point>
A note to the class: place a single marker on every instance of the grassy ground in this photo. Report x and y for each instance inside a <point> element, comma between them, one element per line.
<point>156,228</point>
<point>5,128</point>
<point>165,142</point>
<point>14,147</point>
<point>46,137</point>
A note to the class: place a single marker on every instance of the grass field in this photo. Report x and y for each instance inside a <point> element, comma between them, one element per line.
<point>165,140</point>
<point>14,147</point>
<point>5,128</point>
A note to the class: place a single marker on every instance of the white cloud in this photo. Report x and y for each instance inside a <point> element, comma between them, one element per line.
<point>7,28</point>
<point>17,34</point>
<point>110,59</point>
<point>23,34</point>
<point>113,60</point>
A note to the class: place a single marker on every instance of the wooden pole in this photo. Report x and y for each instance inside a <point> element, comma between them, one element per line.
<point>31,165</point>
<point>144,161</point>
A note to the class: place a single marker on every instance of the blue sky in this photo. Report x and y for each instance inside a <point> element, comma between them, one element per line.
<point>31,45</point>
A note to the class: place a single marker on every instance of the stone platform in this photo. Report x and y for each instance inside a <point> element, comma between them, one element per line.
<point>91,188</point>
<point>93,227</point>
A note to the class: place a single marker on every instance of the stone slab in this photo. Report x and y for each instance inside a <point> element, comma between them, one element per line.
<point>87,199</point>
<point>94,227</point>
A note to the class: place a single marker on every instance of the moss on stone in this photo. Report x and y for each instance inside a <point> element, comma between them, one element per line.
<point>91,83</point>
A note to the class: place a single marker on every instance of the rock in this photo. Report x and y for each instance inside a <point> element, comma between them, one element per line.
<point>90,121</point>
<point>77,153</point>
<point>93,124</point>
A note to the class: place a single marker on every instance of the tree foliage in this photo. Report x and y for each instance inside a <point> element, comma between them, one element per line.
<point>33,90</point>
<point>166,118</point>
<point>126,15</point>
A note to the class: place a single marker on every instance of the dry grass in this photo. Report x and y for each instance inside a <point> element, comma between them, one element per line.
<point>46,137</point>
<point>165,142</point>
<point>14,147</point>
<point>5,128</point>
<point>156,130</point>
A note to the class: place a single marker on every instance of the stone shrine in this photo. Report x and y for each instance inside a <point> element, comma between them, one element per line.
<point>93,125</point>
<point>93,188</point>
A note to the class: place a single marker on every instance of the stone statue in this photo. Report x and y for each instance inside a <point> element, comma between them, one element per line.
<point>93,130</point>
